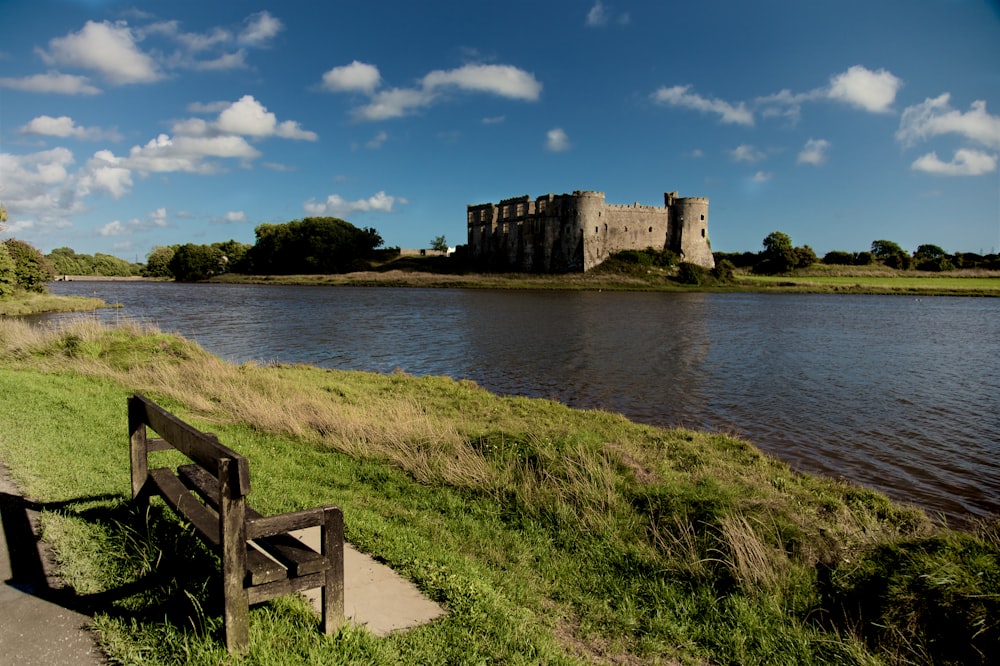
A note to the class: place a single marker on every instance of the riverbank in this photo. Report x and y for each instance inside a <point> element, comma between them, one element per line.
<point>552,535</point>
<point>816,280</point>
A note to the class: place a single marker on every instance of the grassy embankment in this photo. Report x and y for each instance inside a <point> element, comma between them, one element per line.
<point>618,276</point>
<point>551,535</point>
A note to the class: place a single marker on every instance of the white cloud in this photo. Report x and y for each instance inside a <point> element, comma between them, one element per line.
<point>113,228</point>
<point>336,206</point>
<point>356,77</point>
<point>599,16</point>
<point>246,117</point>
<point>234,217</point>
<point>377,141</point>
<point>746,153</point>
<point>158,218</point>
<point>965,163</point>
<point>557,141</point>
<point>935,117</point>
<point>814,152</point>
<point>394,103</point>
<point>681,97</point>
<point>223,63</point>
<point>865,89</point>
<point>503,80</point>
<point>65,127</point>
<point>192,41</point>
<point>762,177</point>
<point>260,29</point>
<point>187,154</point>
<point>26,173</point>
<point>494,120</point>
<point>105,171</point>
<point>53,82</point>
<point>108,48</point>
<point>208,107</point>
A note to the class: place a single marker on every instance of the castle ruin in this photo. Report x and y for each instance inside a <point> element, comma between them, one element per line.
<point>563,233</point>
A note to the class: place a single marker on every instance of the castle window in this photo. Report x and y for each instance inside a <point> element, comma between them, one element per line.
<point>651,230</point>
<point>626,228</point>
<point>596,230</point>
<point>703,217</point>
<point>702,233</point>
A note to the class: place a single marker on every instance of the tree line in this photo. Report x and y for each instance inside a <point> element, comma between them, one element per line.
<point>321,245</point>
<point>781,256</point>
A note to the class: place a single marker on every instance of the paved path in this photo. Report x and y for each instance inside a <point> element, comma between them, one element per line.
<point>36,630</point>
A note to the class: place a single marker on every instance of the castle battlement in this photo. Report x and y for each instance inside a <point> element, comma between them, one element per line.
<point>558,233</point>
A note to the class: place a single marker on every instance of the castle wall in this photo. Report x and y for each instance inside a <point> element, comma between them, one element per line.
<point>575,232</point>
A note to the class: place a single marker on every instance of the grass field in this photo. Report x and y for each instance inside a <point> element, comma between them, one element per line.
<point>881,283</point>
<point>551,535</point>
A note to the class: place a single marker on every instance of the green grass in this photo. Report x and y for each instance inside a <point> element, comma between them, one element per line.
<point>25,303</point>
<point>551,535</point>
<point>930,284</point>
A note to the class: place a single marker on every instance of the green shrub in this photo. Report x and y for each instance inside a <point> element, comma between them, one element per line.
<point>8,280</point>
<point>693,274</point>
<point>31,269</point>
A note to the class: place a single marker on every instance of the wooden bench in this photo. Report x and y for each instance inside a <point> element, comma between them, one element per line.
<point>260,559</point>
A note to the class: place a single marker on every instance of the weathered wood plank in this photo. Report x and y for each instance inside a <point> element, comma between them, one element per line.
<point>292,553</point>
<point>262,593</point>
<point>232,525</point>
<point>180,499</point>
<point>202,448</point>
<point>265,526</point>
<point>139,460</point>
<point>207,486</point>
<point>333,579</point>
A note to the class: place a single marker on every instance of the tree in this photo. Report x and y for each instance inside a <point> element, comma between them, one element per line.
<point>191,262</point>
<point>314,245</point>
<point>778,255</point>
<point>158,262</point>
<point>777,242</point>
<point>932,258</point>
<point>891,254</point>
<point>31,269</point>
<point>839,258</point>
<point>883,249</point>
<point>439,244</point>
<point>234,256</point>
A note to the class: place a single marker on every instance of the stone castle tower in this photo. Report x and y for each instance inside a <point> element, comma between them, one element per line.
<point>575,232</point>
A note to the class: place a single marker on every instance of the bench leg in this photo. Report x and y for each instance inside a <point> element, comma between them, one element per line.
<point>233,533</point>
<point>333,588</point>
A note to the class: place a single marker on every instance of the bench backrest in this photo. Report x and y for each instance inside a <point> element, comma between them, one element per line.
<point>200,447</point>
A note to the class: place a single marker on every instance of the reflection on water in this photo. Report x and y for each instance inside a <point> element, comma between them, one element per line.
<point>897,393</point>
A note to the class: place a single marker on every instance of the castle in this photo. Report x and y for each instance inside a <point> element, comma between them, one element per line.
<point>562,233</point>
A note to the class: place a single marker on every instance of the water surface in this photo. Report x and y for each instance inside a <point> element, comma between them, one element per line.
<point>897,393</point>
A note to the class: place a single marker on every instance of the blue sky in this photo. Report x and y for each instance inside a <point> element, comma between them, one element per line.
<point>126,125</point>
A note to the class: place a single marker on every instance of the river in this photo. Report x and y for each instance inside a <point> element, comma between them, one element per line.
<point>896,393</point>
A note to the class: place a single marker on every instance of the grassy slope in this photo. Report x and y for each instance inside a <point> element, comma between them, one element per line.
<point>552,535</point>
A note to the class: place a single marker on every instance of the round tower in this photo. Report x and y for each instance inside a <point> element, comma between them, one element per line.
<point>591,225</point>
<point>690,214</point>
